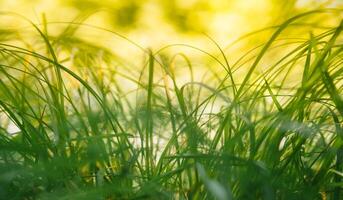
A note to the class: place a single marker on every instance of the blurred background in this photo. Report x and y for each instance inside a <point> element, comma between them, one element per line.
<point>127,28</point>
<point>155,23</point>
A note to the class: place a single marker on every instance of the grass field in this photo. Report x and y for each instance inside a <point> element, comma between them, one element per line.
<point>78,121</point>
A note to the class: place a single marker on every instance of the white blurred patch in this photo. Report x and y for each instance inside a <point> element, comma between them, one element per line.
<point>12,128</point>
<point>282,143</point>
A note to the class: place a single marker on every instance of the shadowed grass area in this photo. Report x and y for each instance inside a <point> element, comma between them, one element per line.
<point>80,122</point>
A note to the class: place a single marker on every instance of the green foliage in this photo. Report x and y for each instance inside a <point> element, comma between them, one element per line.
<point>79,123</point>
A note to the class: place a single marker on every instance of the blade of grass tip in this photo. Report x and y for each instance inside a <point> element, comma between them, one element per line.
<point>328,82</point>
<point>44,35</point>
<point>45,24</point>
<point>267,45</point>
<point>188,62</point>
<point>227,64</point>
<point>107,111</point>
<point>149,120</point>
<point>178,92</point>
<point>71,28</point>
<point>276,102</point>
<point>197,49</point>
<point>308,61</point>
<point>252,68</point>
<point>189,65</point>
<point>305,76</point>
<point>144,50</point>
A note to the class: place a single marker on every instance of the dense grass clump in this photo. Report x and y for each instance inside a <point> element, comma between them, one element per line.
<point>79,122</point>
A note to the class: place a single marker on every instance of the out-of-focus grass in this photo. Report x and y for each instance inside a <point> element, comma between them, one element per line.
<point>78,121</point>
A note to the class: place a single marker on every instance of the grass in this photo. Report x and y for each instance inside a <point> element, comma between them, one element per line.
<point>85,124</point>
